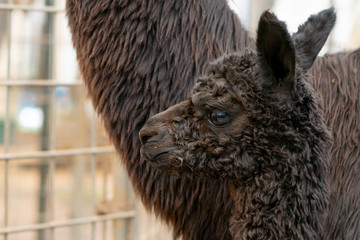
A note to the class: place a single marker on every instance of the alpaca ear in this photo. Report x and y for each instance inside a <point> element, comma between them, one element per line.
<point>276,53</point>
<point>311,36</point>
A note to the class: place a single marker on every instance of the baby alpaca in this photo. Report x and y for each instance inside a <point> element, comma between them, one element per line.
<point>254,120</point>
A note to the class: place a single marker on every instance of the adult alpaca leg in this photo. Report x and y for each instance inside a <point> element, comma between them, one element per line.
<point>139,57</point>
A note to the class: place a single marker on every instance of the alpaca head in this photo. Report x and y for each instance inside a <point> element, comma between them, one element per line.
<point>254,111</point>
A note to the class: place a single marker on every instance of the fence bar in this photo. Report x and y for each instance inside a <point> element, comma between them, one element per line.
<point>52,144</point>
<point>60,153</point>
<point>7,127</point>
<point>104,189</point>
<point>39,82</point>
<point>52,116</point>
<point>6,195</point>
<point>93,170</point>
<point>24,7</point>
<point>69,222</point>
<point>52,194</point>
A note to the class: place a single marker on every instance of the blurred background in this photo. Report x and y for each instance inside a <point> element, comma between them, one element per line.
<point>59,175</point>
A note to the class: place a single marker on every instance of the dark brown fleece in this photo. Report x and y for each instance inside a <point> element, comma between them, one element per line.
<point>139,57</point>
<point>340,94</point>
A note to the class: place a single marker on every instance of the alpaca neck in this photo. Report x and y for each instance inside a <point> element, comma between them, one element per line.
<point>275,205</point>
<point>283,190</point>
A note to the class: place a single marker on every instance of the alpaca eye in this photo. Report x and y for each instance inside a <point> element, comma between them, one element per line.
<point>218,119</point>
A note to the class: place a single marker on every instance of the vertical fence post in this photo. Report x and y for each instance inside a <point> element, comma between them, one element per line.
<point>7,126</point>
<point>45,73</point>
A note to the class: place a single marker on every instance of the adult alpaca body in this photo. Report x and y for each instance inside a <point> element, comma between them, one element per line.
<point>254,120</point>
<point>135,63</point>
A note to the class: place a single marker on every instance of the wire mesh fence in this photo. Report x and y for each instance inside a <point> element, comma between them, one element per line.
<point>60,175</point>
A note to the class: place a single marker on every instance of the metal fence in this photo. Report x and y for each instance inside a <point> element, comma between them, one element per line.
<point>60,178</point>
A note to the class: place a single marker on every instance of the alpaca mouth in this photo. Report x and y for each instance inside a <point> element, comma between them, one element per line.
<point>153,153</point>
<point>159,160</point>
<point>159,155</point>
<point>165,159</point>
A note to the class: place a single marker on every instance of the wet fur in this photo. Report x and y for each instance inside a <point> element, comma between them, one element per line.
<point>139,57</point>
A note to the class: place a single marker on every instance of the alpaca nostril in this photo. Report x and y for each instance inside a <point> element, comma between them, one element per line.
<point>146,135</point>
<point>144,138</point>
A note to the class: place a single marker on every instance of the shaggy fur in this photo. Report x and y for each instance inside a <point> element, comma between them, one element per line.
<point>254,120</point>
<point>139,57</point>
